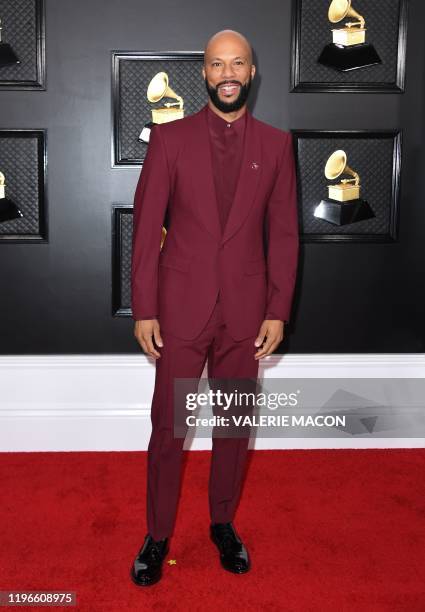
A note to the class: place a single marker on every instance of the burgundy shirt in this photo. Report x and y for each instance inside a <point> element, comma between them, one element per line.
<point>227,144</point>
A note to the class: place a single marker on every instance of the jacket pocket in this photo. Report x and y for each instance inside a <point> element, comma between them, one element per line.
<point>168,260</point>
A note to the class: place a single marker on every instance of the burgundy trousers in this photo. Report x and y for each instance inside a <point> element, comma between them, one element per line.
<point>226,358</point>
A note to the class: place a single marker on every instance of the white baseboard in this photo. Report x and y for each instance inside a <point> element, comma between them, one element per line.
<point>102,402</point>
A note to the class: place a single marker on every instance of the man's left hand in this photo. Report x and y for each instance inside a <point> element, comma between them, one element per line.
<point>273,329</point>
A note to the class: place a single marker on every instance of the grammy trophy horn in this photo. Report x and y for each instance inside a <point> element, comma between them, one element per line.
<point>337,165</point>
<point>158,88</point>
<point>339,9</point>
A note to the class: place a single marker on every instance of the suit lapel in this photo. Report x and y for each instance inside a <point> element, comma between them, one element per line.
<point>248,181</point>
<point>203,180</point>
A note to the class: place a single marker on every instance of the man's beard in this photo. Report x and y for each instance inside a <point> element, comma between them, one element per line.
<point>229,107</point>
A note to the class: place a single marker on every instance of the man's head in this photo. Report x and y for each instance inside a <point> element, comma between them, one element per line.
<point>228,70</point>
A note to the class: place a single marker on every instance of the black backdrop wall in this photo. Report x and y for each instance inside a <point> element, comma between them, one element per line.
<point>56,297</point>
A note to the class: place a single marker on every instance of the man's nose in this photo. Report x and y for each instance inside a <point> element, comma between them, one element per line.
<point>228,73</point>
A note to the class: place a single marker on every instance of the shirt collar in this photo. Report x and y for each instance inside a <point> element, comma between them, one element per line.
<point>218,124</point>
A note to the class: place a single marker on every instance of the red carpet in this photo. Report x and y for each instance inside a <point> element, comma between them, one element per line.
<point>327,530</point>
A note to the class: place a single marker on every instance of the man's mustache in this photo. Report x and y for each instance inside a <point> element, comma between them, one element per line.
<point>229,83</point>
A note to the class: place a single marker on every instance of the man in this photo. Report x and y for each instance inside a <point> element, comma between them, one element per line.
<point>213,293</point>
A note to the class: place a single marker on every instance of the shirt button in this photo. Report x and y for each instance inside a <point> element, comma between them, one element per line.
<point>228,125</point>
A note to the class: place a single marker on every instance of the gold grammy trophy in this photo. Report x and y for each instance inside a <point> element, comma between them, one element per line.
<point>8,209</point>
<point>158,89</point>
<point>7,54</point>
<point>344,204</point>
<point>349,49</point>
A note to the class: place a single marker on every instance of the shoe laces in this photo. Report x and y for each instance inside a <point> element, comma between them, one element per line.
<point>154,550</point>
<point>227,536</point>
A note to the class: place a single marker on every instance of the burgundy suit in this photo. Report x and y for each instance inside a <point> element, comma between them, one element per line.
<point>214,281</point>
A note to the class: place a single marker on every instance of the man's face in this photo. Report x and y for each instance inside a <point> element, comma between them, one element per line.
<point>228,79</point>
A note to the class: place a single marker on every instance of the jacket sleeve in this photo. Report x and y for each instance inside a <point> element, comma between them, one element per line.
<point>150,205</point>
<point>282,235</point>
<point>273,316</point>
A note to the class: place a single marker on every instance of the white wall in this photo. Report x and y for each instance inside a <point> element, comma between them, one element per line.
<point>102,402</point>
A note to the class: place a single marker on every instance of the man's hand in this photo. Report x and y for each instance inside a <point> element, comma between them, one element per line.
<point>273,329</point>
<point>144,330</point>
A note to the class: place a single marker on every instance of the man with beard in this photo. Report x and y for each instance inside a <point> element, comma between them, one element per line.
<point>220,290</point>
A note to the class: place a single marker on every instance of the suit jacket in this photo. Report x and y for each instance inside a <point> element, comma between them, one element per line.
<point>252,262</point>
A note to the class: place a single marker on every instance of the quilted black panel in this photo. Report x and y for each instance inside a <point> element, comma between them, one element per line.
<point>382,30</point>
<point>370,156</point>
<point>122,235</point>
<point>23,29</point>
<point>22,163</point>
<point>134,109</point>
<point>125,264</point>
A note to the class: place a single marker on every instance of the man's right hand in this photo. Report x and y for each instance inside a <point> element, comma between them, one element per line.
<point>143,331</point>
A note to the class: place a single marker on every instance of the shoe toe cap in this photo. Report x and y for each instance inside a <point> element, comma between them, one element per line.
<point>142,578</point>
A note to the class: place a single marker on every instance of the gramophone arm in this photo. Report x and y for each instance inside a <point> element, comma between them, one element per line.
<point>353,13</point>
<point>359,24</point>
<point>179,102</point>
<point>355,180</point>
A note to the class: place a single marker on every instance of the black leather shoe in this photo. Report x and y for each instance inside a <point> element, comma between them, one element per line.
<point>147,567</point>
<point>233,554</point>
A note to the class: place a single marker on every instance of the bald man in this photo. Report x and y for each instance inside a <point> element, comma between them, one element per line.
<point>220,291</point>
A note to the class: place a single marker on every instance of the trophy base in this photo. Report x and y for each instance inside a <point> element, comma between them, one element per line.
<point>146,132</point>
<point>7,55</point>
<point>8,210</point>
<point>165,115</point>
<point>349,58</point>
<point>343,213</point>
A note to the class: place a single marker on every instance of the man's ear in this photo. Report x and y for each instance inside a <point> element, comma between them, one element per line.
<point>253,71</point>
<point>203,73</point>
